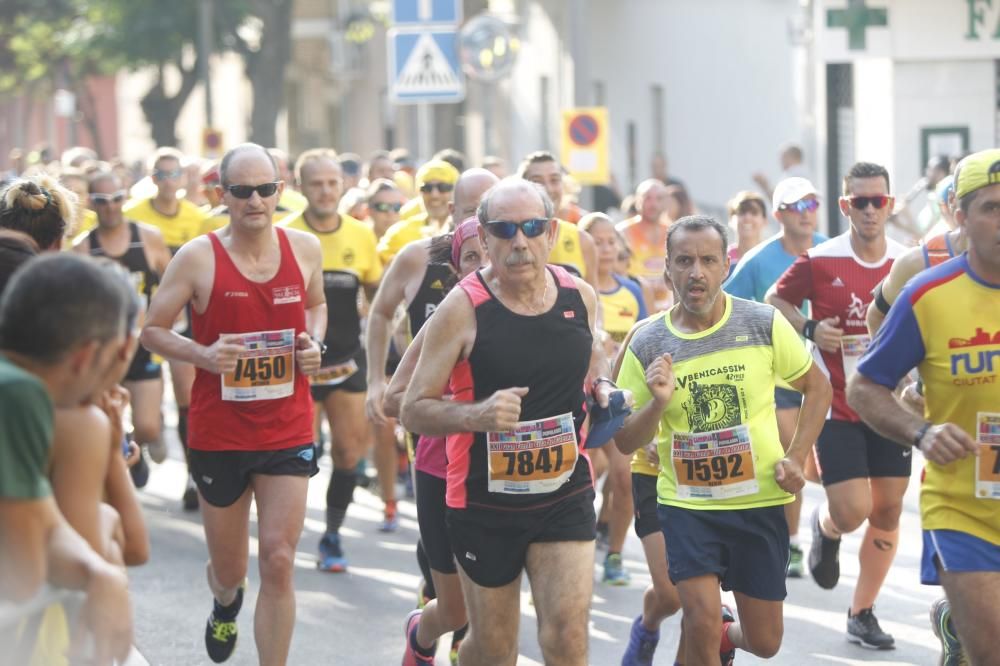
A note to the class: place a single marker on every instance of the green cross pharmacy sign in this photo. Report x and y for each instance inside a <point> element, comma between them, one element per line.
<point>857,18</point>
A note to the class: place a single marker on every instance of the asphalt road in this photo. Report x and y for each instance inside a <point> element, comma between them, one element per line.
<point>356,618</point>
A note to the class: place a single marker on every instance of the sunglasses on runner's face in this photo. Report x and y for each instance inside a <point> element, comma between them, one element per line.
<point>103,199</point>
<point>246,191</point>
<point>506,230</point>
<point>443,188</point>
<point>161,174</point>
<point>801,206</point>
<point>383,207</point>
<point>860,203</point>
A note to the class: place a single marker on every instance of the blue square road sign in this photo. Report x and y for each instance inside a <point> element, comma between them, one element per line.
<point>416,13</point>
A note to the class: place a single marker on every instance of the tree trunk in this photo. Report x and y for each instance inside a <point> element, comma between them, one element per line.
<point>266,69</point>
<point>162,111</point>
<point>88,109</point>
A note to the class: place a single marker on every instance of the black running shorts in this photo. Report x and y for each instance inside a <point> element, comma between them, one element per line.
<point>431,519</point>
<point>491,546</point>
<point>223,476</point>
<point>644,502</point>
<point>747,549</point>
<point>847,450</point>
<point>143,367</point>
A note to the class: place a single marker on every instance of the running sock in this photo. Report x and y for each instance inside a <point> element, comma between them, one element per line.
<point>793,540</point>
<point>227,613</point>
<point>390,508</point>
<point>425,570</point>
<point>427,653</point>
<point>878,549</point>
<point>182,429</point>
<point>339,495</point>
<point>826,524</point>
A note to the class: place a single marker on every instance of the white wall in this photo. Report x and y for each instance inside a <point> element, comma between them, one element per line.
<point>728,72</point>
<point>940,94</point>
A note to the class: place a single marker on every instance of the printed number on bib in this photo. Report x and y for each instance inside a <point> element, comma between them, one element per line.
<point>333,375</point>
<point>714,465</point>
<point>536,457</point>
<point>988,462</point>
<point>265,369</point>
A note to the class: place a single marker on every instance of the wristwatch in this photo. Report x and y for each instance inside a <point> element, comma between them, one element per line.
<point>322,345</point>
<point>602,380</point>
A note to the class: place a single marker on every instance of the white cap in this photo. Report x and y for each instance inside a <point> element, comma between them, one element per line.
<point>791,190</point>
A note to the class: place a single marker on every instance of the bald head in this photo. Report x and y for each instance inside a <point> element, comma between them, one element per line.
<point>515,192</point>
<point>651,199</point>
<point>244,152</point>
<point>469,189</point>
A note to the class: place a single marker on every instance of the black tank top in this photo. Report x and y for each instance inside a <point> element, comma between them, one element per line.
<point>143,276</point>
<point>548,353</point>
<point>429,296</point>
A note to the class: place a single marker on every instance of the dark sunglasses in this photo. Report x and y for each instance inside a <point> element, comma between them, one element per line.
<point>173,173</point>
<point>383,207</point>
<point>265,190</point>
<point>506,230</point>
<point>801,206</point>
<point>104,199</point>
<point>860,203</point>
<point>443,188</point>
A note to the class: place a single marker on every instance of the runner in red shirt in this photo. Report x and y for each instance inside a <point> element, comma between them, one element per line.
<point>256,294</point>
<point>864,474</point>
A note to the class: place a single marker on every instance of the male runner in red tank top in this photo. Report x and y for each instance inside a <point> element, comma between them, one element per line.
<point>256,294</point>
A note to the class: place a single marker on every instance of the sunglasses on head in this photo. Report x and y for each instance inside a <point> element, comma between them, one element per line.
<point>801,206</point>
<point>440,187</point>
<point>265,190</point>
<point>506,229</point>
<point>860,203</point>
<point>103,199</point>
<point>162,174</point>
<point>384,207</point>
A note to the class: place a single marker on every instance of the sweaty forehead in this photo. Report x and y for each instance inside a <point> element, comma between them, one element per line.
<point>250,167</point>
<point>322,168</point>
<point>867,186</point>
<point>516,204</point>
<point>543,169</point>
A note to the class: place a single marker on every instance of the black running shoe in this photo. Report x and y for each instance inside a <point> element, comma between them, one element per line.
<point>824,556</point>
<point>864,630</point>
<point>221,630</point>
<point>140,471</point>
<point>190,498</point>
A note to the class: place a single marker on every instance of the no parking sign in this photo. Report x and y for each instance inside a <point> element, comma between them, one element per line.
<point>585,144</point>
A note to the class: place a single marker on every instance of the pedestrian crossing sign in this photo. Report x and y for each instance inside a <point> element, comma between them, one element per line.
<point>424,66</point>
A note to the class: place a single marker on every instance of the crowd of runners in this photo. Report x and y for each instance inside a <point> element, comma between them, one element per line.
<point>511,357</point>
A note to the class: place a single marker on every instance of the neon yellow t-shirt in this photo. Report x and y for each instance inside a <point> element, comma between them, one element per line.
<point>176,229</point>
<point>403,233</point>
<point>718,437</point>
<point>566,251</point>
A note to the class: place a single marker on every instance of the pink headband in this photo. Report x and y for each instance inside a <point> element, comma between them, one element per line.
<point>463,232</point>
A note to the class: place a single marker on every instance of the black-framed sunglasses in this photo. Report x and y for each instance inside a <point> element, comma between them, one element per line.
<point>104,199</point>
<point>860,203</point>
<point>162,174</point>
<point>443,188</point>
<point>265,190</point>
<point>385,207</point>
<point>506,229</point>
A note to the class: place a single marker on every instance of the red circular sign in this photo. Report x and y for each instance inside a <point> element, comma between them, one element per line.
<point>583,130</point>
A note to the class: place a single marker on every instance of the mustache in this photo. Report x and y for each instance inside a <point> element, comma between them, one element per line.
<point>696,283</point>
<point>518,258</point>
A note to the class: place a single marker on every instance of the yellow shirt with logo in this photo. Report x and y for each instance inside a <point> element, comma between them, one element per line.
<point>566,251</point>
<point>176,229</point>
<point>349,261</point>
<point>946,323</point>
<point>723,398</point>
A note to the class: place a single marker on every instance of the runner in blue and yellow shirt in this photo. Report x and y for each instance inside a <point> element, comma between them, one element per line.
<point>946,324</point>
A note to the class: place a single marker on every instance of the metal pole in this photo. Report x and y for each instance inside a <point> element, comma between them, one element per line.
<point>487,102</point>
<point>205,50</point>
<point>425,132</point>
